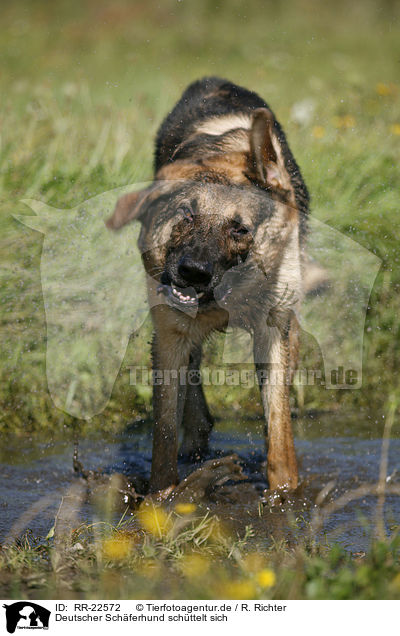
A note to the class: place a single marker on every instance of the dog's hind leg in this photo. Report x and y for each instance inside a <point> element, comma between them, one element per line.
<point>197,421</point>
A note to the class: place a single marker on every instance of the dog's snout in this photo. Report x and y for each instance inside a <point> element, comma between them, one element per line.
<point>194,271</point>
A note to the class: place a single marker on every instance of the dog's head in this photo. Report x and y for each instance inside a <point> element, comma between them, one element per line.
<point>205,216</point>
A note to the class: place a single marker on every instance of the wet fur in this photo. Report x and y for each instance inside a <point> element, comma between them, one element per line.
<point>222,149</point>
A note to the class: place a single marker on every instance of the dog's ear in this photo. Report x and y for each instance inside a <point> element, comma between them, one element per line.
<point>268,164</point>
<point>129,207</point>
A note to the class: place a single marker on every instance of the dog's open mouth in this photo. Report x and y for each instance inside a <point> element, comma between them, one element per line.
<point>179,297</point>
<point>189,298</point>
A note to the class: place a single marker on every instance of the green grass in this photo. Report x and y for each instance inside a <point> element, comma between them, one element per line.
<point>84,88</point>
<point>193,556</point>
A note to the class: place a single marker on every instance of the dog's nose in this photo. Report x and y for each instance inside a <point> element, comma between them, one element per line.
<point>193,271</point>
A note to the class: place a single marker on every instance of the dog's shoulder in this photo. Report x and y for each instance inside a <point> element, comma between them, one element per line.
<point>214,117</point>
<point>210,107</point>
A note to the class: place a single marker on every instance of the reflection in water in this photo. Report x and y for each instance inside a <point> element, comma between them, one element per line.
<point>335,454</point>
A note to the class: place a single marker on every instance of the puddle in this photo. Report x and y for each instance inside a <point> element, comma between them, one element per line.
<point>332,450</point>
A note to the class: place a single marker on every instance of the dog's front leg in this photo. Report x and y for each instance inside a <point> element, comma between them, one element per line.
<point>170,357</point>
<point>197,420</point>
<point>272,358</point>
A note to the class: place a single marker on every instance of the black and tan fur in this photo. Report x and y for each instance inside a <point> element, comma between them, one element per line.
<point>223,228</point>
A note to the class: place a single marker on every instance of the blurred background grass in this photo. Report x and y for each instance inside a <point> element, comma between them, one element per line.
<point>84,86</point>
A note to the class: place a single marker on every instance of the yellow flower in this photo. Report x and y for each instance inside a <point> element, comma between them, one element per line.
<point>185,508</point>
<point>117,547</point>
<point>154,519</point>
<point>194,565</point>
<point>384,90</point>
<point>345,121</point>
<point>395,129</point>
<point>266,578</point>
<point>318,132</point>
<point>238,590</point>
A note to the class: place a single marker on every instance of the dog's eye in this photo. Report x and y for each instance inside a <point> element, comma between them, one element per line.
<point>186,212</point>
<point>238,231</point>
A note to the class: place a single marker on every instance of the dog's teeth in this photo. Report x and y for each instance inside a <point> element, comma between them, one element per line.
<point>182,297</point>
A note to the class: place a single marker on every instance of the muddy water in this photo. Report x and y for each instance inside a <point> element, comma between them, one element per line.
<point>334,451</point>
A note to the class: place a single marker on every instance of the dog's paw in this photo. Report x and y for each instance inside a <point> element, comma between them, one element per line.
<point>201,483</point>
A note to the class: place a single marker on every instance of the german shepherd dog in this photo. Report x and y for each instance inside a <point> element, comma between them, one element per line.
<point>223,229</point>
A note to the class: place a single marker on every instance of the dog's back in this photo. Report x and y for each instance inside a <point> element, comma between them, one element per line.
<point>208,110</point>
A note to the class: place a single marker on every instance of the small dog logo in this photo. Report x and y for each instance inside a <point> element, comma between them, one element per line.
<point>26,615</point>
